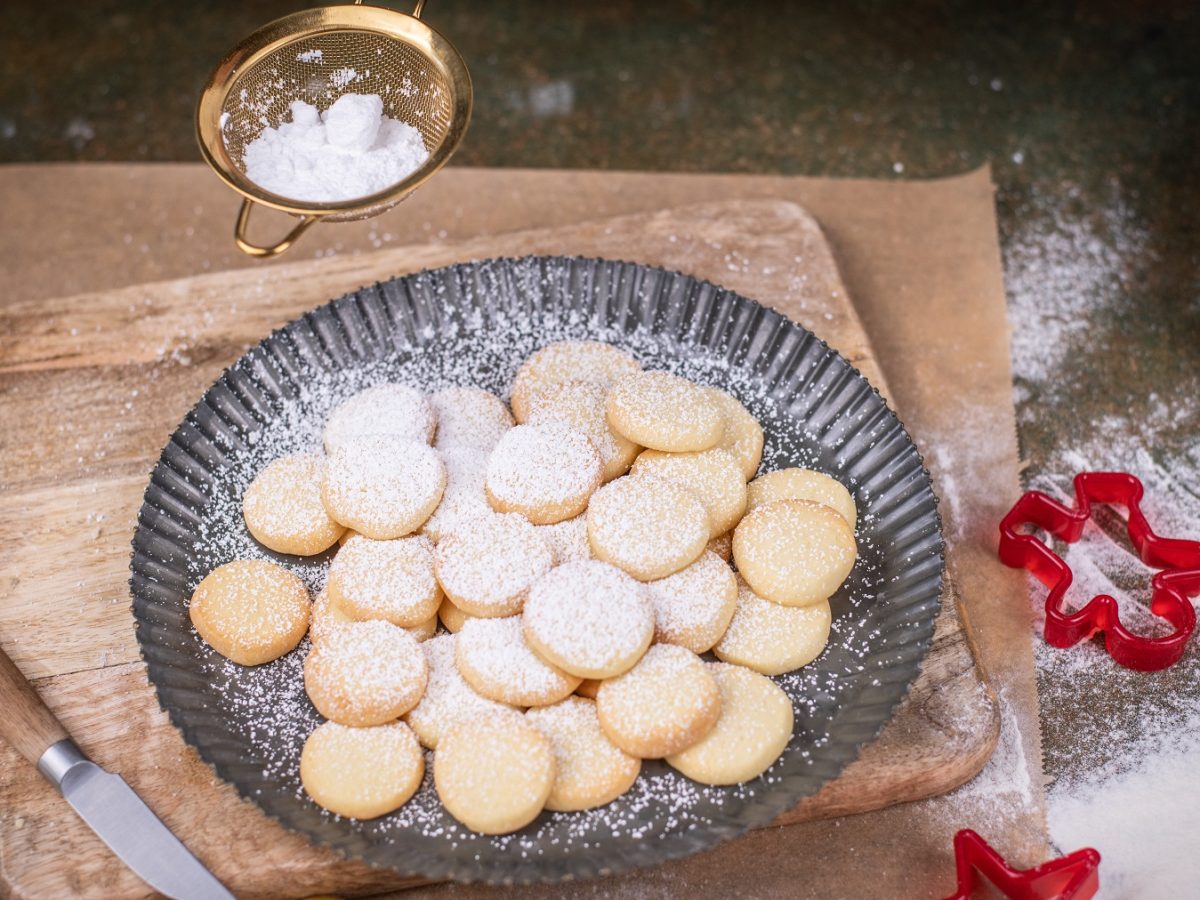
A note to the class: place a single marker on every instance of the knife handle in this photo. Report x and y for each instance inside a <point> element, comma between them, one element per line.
<point>25,722</point>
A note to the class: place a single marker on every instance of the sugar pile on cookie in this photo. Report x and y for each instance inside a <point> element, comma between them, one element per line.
<point>577,555</point>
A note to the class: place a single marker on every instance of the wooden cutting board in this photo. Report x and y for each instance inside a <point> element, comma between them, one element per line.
<point>93,385</point>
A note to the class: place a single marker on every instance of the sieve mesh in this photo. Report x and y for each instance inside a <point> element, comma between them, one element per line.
<point>321,68</point>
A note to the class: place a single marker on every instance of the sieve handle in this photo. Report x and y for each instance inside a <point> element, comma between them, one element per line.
<point>243,221</point>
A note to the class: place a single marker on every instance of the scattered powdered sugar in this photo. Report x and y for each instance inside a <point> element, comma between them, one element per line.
<point>310,56</point>
<point>1120,747</point>
<point>1140,810</point>
<point>350,150</point>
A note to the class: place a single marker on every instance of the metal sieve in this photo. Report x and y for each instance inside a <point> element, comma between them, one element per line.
<point>316,56</point>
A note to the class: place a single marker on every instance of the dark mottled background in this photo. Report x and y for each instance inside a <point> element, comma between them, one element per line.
<point>1089,113</point>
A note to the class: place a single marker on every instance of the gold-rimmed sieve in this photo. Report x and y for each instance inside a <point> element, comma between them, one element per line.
<point>316,56</point>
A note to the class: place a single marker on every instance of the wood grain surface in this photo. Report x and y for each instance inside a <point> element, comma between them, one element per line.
<point>93,385</point>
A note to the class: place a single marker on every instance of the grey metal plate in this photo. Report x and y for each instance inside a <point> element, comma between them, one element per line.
<point>474,323</point>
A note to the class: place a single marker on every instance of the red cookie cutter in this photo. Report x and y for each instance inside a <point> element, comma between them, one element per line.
<point>1179,559</point>
<point>1072,877</point>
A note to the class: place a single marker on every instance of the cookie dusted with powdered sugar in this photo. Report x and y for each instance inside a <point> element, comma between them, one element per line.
<point>646,526</point>
<point>545,472</point>
<point>773,639</point>
<point>365,673</point>
<point>283,508</point>
<point>664,412</point>
<point>494,773</point>
<point>589,619</point>
<point>794,552</point>
<point>383,487</point>
<point>753,729</point>
<point>469,417</point>
<point>590,770</point>
<point>495,659</point>
<point>661,706</point>
<point>250,611</point>
<point>361,773</point>
<point>592,361</point>
<point>487,569</point>
<point>394,410</point>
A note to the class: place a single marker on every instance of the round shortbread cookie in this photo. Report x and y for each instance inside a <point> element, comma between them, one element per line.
<point>693,607</point>
<point>589,619</point>
<point>664,412</point>
<point>589,687</point>
<point>326,616</point>
<point>390,580</point>
<point>283,508</point>
<point>250,611</point>
<point>794,552</point>
<point>649,527</point>
<point>464,501</point>
<point>495,660</point>
<point>451,616</point>
<point>743,436</point>
<point>494,774</point>
<point>591,361</point>
<point>383,487</point>
<point>545,472</point>
<point>661,706</point>
<point>773,639</point>
<point>346,535</point>
<point>361,772</point>
<point>754,728</point>
<point>590,770</point>
<point>802,484</point>
<point>581,405</point>
<point>365,673</point>
<point>712,475</point>
<point>448,698</point>
<point>396,410</point>
<point>722,545</point>
<point>487,569</point>
<point>568,540</point>
<point>469,417</point>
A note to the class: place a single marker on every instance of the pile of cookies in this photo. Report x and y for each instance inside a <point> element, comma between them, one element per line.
<point>577,561</point>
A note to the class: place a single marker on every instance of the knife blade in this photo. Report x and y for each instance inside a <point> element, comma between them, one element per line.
<point>103,800</point>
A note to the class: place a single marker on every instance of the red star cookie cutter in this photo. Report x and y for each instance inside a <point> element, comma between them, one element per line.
<point>1171,588</point>
<point>1072,877</point>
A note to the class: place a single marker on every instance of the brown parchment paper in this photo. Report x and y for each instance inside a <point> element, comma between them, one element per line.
<point>921,261</point>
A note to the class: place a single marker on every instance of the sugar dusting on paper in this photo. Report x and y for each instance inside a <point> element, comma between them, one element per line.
<point>1122,748</point>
